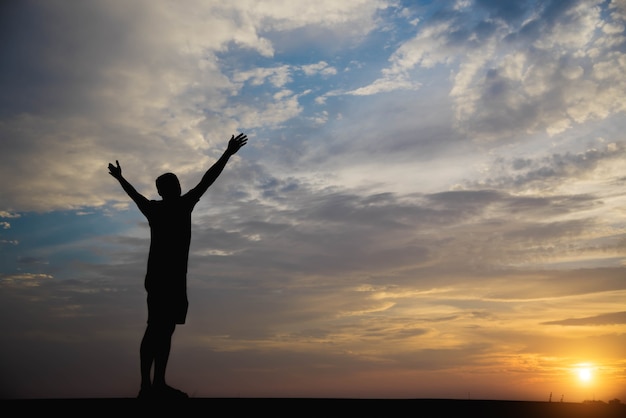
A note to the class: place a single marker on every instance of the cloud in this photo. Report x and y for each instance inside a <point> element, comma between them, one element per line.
<point>30,260</point>
<point>321,67</point>
<point>531,90</point>
<point>172,93</point>
<point>613,318</point>
<point>109,85</point>
<point>330,233</point>
<point>5,214</point>
<point>387,84</point>
<point>24,279</point>
<point>552,172</point>
<point>277,76</point>
<point>512,75</point>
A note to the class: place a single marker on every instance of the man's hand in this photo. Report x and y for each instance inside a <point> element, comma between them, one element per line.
<point>236,142</point>
<point>137,197</point>
<point>115,171</point>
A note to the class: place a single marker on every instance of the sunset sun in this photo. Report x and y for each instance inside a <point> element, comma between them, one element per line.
<point>585,373</point>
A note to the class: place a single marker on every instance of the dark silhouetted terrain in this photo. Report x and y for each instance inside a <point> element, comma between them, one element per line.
<point>324,407</point>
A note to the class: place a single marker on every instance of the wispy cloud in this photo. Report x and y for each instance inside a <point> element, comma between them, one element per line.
<point>613,318</point>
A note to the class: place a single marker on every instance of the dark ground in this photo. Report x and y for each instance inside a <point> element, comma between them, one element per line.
<point>298,407</point>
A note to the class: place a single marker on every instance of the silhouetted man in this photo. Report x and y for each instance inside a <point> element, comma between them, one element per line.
<point>166,276</point>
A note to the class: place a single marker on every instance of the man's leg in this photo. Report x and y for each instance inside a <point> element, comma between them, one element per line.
<point>162,345</point>
<point>156,345</point>
<point>163,342</point>
<point>147,352</point>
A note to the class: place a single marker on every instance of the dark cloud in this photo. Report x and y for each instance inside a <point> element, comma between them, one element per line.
<point>549,172</point>
<point>27,260</point>
<point>59,54</point>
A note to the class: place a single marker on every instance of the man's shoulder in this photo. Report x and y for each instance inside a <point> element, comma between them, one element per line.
<point>191,197</point>
<point>153,203</point>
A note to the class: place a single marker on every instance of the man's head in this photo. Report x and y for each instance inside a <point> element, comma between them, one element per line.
<point>168,185</point>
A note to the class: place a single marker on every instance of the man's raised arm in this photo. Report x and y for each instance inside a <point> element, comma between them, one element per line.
<point>137,197</point>
<point>235,143</point>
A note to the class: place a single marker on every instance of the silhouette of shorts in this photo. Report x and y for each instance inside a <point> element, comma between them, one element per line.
<point>164,307</point>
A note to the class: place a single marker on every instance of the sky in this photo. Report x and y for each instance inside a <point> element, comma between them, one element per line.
<point>431,202</point>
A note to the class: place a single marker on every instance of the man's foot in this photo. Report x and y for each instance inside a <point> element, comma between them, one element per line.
<point>167,392</point>
<point>145,393</point>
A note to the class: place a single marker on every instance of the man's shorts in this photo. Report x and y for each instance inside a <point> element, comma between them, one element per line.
<point>167,308</point>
